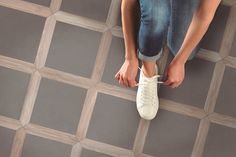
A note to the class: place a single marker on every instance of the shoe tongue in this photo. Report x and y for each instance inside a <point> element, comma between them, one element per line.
<point>149,78</point>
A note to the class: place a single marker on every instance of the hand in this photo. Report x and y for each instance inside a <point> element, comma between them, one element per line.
<point>127,73</point>
<point>174,74</point>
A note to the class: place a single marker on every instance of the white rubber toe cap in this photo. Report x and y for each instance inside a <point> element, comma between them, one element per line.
<point>147,112</point>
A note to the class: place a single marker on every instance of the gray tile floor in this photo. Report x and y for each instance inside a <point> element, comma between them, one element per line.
<point>58,105</point>
<point>171,134</point>
<point>83,8</point>
<point>220,141</point>
<point>60,91</point>
<point>19,33</point>
<point>7,136</point>
<point>76,52</point>
<point>109,126</point>
<point>37,146</point>
<point>13,88</point>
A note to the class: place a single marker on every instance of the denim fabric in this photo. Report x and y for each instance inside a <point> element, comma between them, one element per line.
<point>164,19</point>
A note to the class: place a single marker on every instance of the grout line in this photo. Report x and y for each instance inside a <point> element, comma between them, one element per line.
<point>45,42</point>
<point>9,123</point>
<point>141,136</point>
<point>80,21</point>
<point>86,113</point>
<point>67,78</point>
<point>117,31</point>
<point>18,142</point>
<point>16,64</point>
<point>27,7</point>
<point>51,134</point>
<point>106,148</point>
<point>114,9</point>
<point>117,91</point>
<point>102,55</point>
<point>224,120</point>
<point>30,98</point>
<point>183,109</point>
<point>214,88</point>
<point>202,133</point>
<point>55,5</point>
<point>76,150</point>
<point>230,61</point>
<point>208,55</point>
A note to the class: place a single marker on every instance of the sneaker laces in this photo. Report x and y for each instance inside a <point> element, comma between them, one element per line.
<point>150,78</point>
<point>150,88</point>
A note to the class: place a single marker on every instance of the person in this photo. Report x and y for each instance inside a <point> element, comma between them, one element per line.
<point>182,22</point>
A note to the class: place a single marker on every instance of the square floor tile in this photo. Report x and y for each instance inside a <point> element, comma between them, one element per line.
<point>225,103</point>
<point>221,141</point>
<point>171,135</point>
<point>115,60</point>
<point>211,39</point>
<point>13,88</point>
<point>89,153</point>
<point>6,141</point>
<point>58,105</point>
<point>73,49</point>
<point>93,9</point>
<point>20,34</point>
<point>194,88</point>
<point>41,2</point>
<point>35,146</point>
<point>233,49</point>
<point>114,121</point>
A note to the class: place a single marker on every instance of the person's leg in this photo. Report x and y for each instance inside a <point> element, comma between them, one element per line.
<point>154,21</point>
<point>181,15</point>
<point>152,31</point>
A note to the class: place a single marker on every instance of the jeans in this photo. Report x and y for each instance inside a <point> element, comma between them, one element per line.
<point>162,20</point>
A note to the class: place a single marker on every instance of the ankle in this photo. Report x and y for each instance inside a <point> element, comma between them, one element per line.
<point>149,71</point>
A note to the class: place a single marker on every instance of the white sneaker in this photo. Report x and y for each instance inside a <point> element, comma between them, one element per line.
<point>147,101</point>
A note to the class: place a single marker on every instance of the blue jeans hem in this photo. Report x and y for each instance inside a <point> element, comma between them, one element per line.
<point>143,57</point>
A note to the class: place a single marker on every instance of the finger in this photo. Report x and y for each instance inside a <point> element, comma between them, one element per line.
<point>121,81</point>
<point>173,85</point>
<point>168,82</point>
<point>117,75</point>
<point>176,84</point>
<point>132,83</point>
<point>166,79</point>
<point>126,82</point>
<point>179,83</point>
